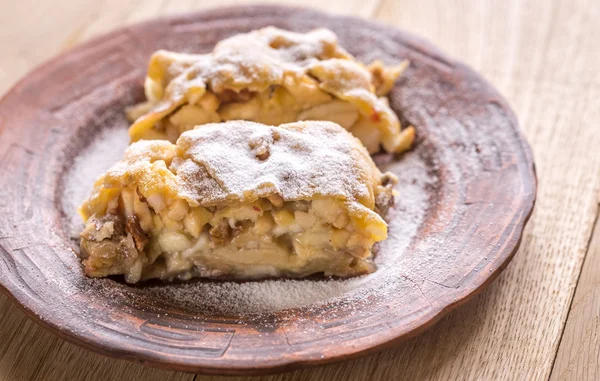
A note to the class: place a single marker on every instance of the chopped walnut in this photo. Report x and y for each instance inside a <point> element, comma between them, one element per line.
<point>98,229</point>
<point>220,233</point>
<point>107,257</point>
<point>276,136</point>
<point>260,146</point>
<point>132,226</point>
<point>262,153</point>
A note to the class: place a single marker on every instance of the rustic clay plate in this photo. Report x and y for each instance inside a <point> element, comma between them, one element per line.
<point>467,190</point>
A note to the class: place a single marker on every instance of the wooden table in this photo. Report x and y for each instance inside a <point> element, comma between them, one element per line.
<point>541,318</point>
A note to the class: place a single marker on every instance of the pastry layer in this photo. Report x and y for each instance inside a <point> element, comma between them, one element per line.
<point>271,76</point>
<point>240,200</point>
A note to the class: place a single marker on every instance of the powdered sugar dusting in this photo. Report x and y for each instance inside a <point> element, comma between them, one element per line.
<point>303,160</point>
<point>256,298</point>
<point>106,149</point>
<point>252,298</point>
<point>277,295</point>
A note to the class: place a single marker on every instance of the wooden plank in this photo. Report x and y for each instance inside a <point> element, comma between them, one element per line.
<point>32,32</point>
<point>28,352</point>
<point>511,331</point>
<point>578,355</point>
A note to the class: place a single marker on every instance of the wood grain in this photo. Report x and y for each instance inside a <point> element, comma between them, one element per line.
<point>578,356</point>
<point>33,32</point>
<point>540,54</point>
<point>478,180</point>
<point>522,48</point>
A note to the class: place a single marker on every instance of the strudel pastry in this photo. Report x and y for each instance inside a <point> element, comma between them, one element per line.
<point>238,200</point>
<point>271,76</point>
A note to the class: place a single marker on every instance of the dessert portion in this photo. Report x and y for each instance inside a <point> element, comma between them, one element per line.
<point>238,200</point>
<point>271,76</point>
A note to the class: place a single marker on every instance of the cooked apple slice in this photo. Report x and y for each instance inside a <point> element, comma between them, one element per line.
<point>238,200</point>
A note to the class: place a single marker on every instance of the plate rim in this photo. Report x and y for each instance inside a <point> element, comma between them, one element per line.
<point>282,364</point>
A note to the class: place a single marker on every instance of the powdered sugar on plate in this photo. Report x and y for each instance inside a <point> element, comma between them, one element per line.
<point>105,150</point>
<point>235,298</point>
<point>277,295</point>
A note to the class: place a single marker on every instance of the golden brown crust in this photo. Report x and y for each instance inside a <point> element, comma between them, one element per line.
<point>242,161</point>
<point>270,76</point>
<point>238,199</point>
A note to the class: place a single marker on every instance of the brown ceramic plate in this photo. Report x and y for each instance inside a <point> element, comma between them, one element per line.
<point>467,189</point>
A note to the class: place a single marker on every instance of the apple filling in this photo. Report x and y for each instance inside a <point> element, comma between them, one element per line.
<point>238,200</point>
<point>271,76</point>
<point>143,238</point>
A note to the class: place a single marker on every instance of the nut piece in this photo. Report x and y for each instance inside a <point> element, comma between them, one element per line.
<point>384,196</point>
<point>97,230</point>
<point>260,146</point>
<point>219,233</point>
<point>109,257</point>
<point>132,226</point>
<point>142,211</point>
<point>262,153</point>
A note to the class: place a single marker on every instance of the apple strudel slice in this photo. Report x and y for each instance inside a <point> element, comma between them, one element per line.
<point>270,76</point>
<point>238,200</point>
